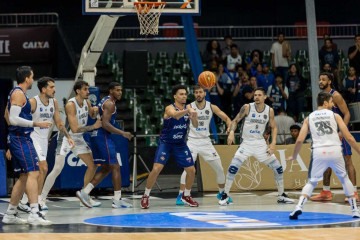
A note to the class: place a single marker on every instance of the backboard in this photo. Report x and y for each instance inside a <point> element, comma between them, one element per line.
<point>126,7</point>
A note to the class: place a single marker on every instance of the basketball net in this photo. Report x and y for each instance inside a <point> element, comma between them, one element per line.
<point>148,14</point>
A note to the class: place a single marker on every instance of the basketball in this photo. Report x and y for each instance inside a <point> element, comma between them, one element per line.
<point>207,79</point>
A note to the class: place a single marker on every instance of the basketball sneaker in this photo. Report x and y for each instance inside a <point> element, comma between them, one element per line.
<point>92,202</point>
<point>121,204</point>
<point>324,195</point>
<point>356,195</point>
<point>189,201</point>
<point>218,196</point>
<point>179,202</point>
<point>144,202</point>
<point>13,219</point>
<point>356,214</point>
<point>84,198</point>
<point>42,205</point>
<point>38,219</point>
<point>24,207</point>
<point>224,200</point>
<point>294,215</point>
<point>283,198</point>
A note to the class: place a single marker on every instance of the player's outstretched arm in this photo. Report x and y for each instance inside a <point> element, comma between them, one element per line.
<point>301,138</point>
<point>346,134</point>
<point>170,112</point>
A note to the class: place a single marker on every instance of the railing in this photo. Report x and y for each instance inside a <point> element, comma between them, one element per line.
<point>28,19</point>
<point>237,32</point>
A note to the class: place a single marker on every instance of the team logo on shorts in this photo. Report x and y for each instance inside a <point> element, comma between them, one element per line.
<point>162,158</point>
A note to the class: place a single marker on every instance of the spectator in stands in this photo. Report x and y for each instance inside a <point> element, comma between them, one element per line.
<point>267,79</point>
<point>233,59</point>
<point>334,45</point>
<point>238,91</point>
<point>225,88</point>
<point>247,95</point>
<point>278,93</point>
<point>351,83</point>
<point>253,82</point>
<point>296,86</point>
<point>280,56</point>
<point>253,62</point>
<point>239,74</point>
<point>354,54</point>
<point>283,123</point>
<point>212,55</point>
<point>227,49</point>
<point>331,56</point>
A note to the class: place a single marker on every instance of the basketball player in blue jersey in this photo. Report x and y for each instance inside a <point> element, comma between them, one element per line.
<point>103,149</point>
<point>323,124</point>
<point>173,142</point>
<point>199,141</point>
<point>255,119</point>
<point>340,107</point>
<point>24,157</point>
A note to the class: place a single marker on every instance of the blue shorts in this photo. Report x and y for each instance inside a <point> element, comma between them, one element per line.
<point>103,149</point>
<point>181,153</point>
<point>24,156</point>
<point>346,148</point>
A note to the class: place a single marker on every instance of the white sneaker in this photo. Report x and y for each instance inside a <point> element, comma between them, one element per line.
<point>24,207</point>
<point>42,203</point>
<point>92,202</point>
<point>84,198</point>
<point>356,214</point>
<point>285,199</point>
<point>294,215</point>
<point>224,199</point>
<point>13,219</point>
<point>38,219</point>
<point>121,204</point>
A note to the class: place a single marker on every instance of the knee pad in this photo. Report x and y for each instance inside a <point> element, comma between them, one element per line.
<point>233,169</point>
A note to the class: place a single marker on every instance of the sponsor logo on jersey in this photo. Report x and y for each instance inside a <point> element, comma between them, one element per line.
<point>201,129</point>
<point>183,126</point>
<point>255,131</point>
<point>178,136</point>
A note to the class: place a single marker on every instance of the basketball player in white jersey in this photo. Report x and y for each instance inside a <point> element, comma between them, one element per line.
<point>323,125</point>
<point>255,116</point>
<point>77,111</point>
<point>199,141</point>
<point>44,107</point>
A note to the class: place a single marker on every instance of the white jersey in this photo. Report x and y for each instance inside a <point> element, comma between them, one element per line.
<point>81,114</point>
<point>204,118</point>
<point>42,113</point>
<point>255,124</point>
<point>323,129</point>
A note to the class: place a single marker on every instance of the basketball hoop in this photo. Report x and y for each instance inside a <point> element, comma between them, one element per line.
<point>148,14</point>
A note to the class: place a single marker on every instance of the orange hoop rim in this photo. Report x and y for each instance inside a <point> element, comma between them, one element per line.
<point>156,4</point>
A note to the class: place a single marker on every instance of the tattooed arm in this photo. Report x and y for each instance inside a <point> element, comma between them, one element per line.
<point>244,111</point>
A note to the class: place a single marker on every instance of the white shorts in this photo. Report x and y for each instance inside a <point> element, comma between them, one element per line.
<point>323,158</point>
<point>41,147</point>
<point>81,146</point>
<point>203,147</point>
<point>257,149</point>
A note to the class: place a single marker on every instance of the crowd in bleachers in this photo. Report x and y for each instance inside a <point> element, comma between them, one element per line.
<point>284,74</point>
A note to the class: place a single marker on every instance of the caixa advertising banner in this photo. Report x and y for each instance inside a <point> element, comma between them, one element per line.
<point>35,44</point>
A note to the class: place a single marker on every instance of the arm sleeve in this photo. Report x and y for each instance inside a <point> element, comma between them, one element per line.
<point>15,120</point>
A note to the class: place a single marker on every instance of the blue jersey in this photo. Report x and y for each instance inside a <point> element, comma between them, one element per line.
<point>25,113</point>
<point>174,131</point>
<point>335,109</point>
<point>101,111</point>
